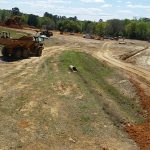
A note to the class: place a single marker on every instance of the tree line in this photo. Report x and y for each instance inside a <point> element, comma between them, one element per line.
<point>133,29</point>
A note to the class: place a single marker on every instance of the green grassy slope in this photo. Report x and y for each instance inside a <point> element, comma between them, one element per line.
<point>93,75</point>
<point>13,33</point>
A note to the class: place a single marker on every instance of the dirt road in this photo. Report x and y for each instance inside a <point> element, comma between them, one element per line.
<point>104,55</point>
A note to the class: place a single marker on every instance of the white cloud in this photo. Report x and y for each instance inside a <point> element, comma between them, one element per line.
<point>93,1</point>
<point>125,11</point>
<point>83,9</point>
<point>106,5</point>
<point>139,6</point>
<point>42,4</point>
<point>128,2</point>
<point>119,1</point>
<point>4,2</point>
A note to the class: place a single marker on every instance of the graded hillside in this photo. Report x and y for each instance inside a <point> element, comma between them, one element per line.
<point>44,105</point>
<point>54,107</point>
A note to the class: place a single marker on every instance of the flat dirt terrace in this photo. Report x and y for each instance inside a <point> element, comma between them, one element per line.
<point>44,106</point>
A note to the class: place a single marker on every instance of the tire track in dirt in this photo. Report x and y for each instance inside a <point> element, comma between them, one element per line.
<point>19,65</point>
<point>21,71</point>
<point>104,55</point>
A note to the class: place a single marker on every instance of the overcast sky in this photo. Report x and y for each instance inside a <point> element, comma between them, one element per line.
<point>83,9</point>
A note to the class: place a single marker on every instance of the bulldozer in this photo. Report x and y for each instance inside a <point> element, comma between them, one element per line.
<point>21,48</point>
<point>46,33</point>
<point>15,19</point>
<point>14,22</point>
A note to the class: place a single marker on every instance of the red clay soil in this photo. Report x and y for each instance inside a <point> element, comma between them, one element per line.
<point>144,98</point>
<point>141,133</point>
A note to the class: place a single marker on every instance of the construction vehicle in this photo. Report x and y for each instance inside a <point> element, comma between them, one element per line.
<point>61,32</point>
<point>15,19</point>
<point>23,47</point>
<point>88,36</point>
<point>99,38</point>
<point>14,22</point>
<point>116,38</point>
<point>46,33</point>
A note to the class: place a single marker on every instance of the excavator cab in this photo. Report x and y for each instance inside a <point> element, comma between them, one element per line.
<point>5,35</point>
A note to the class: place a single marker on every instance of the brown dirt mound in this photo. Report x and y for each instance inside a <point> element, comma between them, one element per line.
<point>141,133</point>
<point>145,98</point>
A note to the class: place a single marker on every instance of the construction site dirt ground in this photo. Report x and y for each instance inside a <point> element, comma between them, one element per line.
<point>45,106</point>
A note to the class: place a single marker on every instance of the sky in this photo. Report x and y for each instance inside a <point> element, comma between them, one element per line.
<point>83,9</point>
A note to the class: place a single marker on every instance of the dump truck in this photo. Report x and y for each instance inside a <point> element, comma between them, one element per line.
<point>23,47</point>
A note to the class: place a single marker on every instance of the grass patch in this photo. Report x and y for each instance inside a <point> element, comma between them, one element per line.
<point>10,105</point>
<point>87,130</point>
<point>85,118</point>
<point>13,33</point>
<point>94,74</point>
<point>85,64</point>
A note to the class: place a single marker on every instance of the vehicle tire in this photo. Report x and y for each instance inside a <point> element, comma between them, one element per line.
<point>25,53</point>
<point>5,52</point>
<point>17,53</point>
<point>39,52</point>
